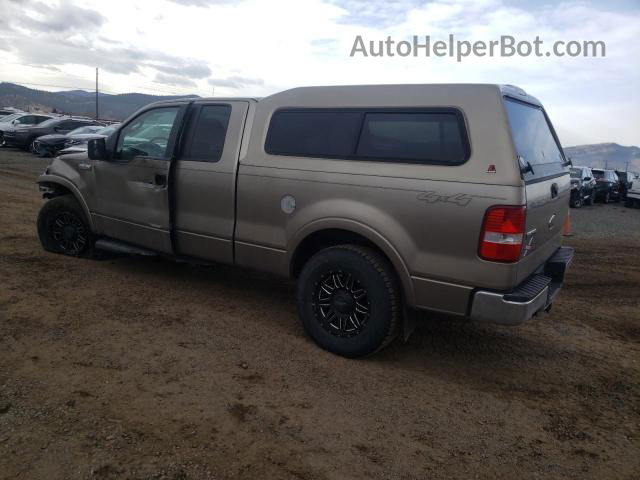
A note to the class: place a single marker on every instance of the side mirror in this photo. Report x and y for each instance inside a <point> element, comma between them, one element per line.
<point>97,149</point>
<point>14,122</point>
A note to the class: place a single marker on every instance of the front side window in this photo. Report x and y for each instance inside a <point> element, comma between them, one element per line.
<point>26,120</point>
<point>147,135</point>
<point>209,130</point>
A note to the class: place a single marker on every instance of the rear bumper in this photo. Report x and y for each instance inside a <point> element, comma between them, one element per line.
<point>520,304</point>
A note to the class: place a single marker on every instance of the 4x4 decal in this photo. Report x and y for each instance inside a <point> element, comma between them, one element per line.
<point>460,199</point>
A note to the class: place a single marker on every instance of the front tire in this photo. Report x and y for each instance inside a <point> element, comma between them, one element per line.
<point>577,202</point>
<point>591,200</point>
<point>349,301</point>
<point>63,228</point>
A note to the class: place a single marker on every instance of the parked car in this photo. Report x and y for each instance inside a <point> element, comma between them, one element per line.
<point>6,111</point>
<point>18,120</point>
<point>24,137</point>
<point>633,192</point>
<point>582,186</point>
<point>377,199</point>
<point>625,179</point>
<point>49,145</point>
<point>78,143</point>
<point>607,185</point>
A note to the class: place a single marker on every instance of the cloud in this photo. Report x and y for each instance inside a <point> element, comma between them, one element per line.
<point>61,18</point>
<point>65,34</point>
<point>253,47</point>
<point>175,80</point>
<point>235,82</point>
<point>375,12</point>
<point>195,70</point>
<point>201,3</point>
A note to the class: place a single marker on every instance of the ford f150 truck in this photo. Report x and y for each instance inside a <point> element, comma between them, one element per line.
<point>379,200</point>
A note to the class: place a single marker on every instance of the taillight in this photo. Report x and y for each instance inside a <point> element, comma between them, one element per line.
<point>502,233</point>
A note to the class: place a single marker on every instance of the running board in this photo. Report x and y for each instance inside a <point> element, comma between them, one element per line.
<point>121,247</point>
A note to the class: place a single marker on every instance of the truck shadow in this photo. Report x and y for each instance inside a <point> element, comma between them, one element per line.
<point>267,298</point>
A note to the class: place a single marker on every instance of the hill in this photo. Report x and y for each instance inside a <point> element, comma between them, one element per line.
<point>610,155</point>
<point>77,102</point>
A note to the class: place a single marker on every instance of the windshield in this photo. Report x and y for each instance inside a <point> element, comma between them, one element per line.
<point>85,129</point>
<point>107,130</point>
<point>11,117</point>
<point>49,123</point>
<point>598,173</point>
<point>576,172</point>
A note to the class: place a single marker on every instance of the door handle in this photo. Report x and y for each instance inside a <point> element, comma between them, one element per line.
<point>160,180</point>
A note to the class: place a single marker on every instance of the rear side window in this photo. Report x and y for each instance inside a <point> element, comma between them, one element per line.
<point>388,135</point>
<point>208,133</point>
<point>434,137</point>
<point>314,133</point>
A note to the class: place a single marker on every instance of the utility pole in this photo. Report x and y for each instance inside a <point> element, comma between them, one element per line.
<point>97,115</point>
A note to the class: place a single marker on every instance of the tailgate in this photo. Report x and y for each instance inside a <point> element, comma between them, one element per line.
<point>547,209</point>
<point>547,182</point>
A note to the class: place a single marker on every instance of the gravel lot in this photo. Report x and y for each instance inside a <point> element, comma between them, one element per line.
<point>147,369</point>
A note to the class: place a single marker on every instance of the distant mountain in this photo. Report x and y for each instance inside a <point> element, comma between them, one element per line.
<point>77,102</point>
<point>603,155</point>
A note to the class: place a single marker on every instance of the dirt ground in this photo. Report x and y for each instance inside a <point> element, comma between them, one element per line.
<point>147,369</point>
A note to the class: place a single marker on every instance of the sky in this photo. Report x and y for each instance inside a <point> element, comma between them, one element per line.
<point>259,47</point>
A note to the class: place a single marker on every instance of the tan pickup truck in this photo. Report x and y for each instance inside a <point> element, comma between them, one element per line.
<point>379,200</point>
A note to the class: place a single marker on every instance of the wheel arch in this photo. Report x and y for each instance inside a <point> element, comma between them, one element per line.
<point>54,186</point>
<point>337,231</point>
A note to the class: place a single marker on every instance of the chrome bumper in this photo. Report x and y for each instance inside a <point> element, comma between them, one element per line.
<point>520,304</point>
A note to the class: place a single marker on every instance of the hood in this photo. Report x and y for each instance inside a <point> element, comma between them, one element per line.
<point>85,136</point>
<point>54,138</point>
<point>7,127</point>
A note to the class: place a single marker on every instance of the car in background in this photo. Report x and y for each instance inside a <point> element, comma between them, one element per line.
<point>625,179</point>
<point>78,143</point>
<point>607,185</point>
<point>583,185</point>
<point>6,111</point>
<point>49,145</point>
<point>633,191</point>
<point>17,120</point>
<point>24,137</point>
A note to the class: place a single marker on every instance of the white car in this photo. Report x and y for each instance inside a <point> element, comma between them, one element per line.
<point>633,193</point>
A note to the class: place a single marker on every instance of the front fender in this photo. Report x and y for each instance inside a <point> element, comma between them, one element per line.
<point>48,180</point>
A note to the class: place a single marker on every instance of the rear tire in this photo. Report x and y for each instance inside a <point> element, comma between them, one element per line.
<point>349,301</point>
<point>63,227</point>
